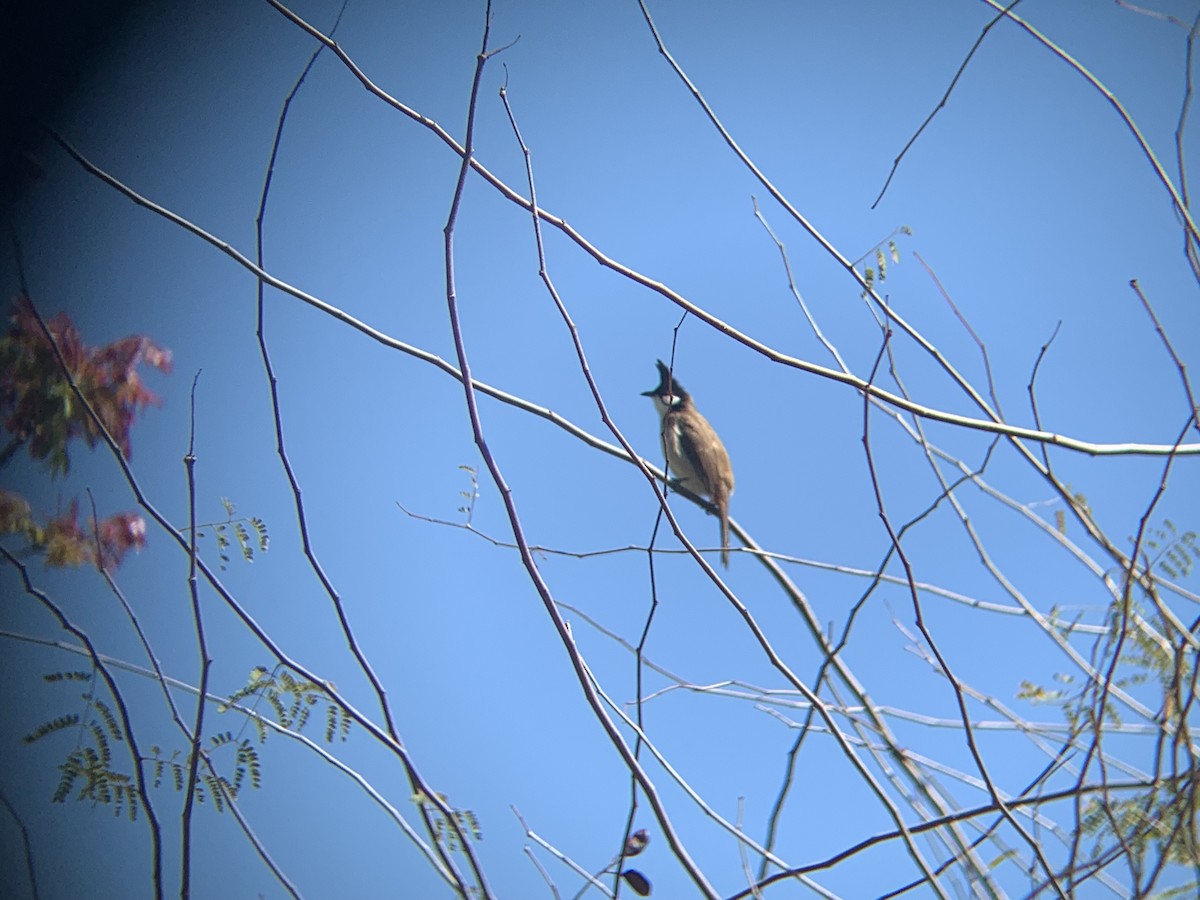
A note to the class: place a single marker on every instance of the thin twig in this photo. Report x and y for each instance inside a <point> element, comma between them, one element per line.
<point>945,98</point>
<point>181,541</point>
<point>1181,207</point>
<point>137,758</point>
<point>189,462</point>
<point>558,854</point>
<point>868,289</point>
<point>960,699</point>
<point>446,862</point>
<point>983,351</point>
<point>126,722</point>
<point>992,425</point>
<point>30,870</point>
<point>920,828</point>
<point>1175,358</point>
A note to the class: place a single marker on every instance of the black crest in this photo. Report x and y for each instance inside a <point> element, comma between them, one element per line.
<point>667,385</point>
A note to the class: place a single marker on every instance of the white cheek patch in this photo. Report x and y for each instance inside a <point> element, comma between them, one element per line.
<point>665,402</point>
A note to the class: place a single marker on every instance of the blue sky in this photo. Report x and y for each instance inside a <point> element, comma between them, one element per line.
<point>1027,196</point>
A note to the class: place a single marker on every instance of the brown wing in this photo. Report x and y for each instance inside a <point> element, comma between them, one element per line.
<point>707,456</point>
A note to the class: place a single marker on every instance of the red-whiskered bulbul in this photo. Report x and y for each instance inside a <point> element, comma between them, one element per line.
<point>696,458</point>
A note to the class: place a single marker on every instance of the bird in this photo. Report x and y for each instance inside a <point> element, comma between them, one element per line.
<point>696,458</point>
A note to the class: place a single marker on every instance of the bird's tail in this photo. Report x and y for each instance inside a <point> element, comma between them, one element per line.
<point>723,508</point>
